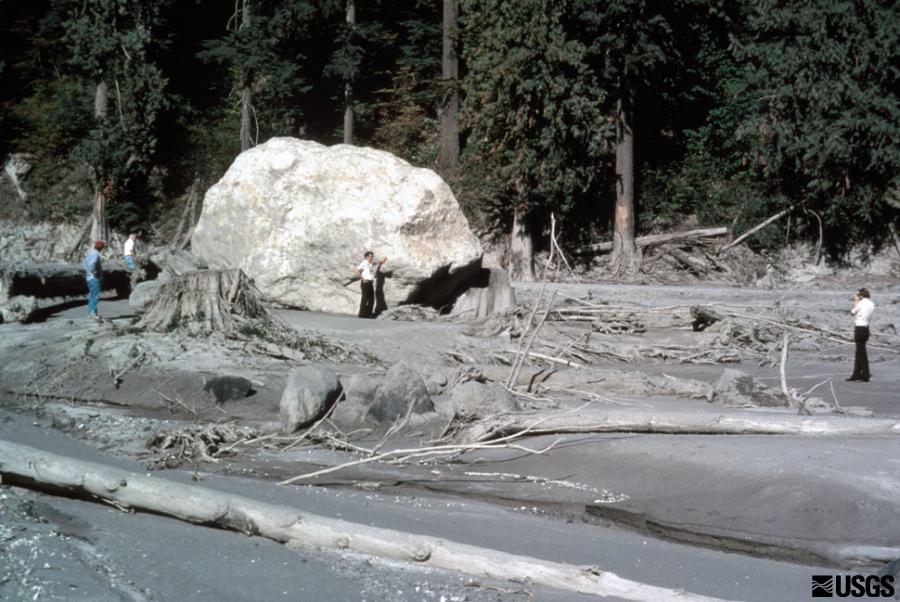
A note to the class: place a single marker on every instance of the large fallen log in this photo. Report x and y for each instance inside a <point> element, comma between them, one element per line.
<point>654,239</point>
<point>56,280</point>
<point>635,420</point>
<point>30,467</point>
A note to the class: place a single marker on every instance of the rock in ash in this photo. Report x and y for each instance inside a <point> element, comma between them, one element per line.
<point>297,217</point>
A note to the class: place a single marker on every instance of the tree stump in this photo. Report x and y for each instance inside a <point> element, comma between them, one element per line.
<point>703,317</point>
<point>206,300</point>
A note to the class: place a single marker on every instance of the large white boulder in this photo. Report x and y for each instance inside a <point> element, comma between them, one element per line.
<point>297,217</point>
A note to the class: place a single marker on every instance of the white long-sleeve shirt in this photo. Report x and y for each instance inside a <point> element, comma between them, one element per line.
<point>863,311</point>
<point>367,271</point>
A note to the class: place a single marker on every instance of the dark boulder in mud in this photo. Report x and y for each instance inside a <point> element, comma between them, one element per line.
<point>403,388</point>
<point>738,389</point>
<point>228,387</point>
<point>475,400</point>
<point>309,392</point>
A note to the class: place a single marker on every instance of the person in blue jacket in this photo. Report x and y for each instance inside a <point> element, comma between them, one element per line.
<point>93,271</point>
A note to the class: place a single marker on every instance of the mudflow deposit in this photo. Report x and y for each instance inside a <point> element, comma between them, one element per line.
<point>234,434</point>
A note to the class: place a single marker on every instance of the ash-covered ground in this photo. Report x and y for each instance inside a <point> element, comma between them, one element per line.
<point>664,502</point>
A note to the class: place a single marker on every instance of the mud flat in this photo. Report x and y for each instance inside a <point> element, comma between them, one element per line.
<point>733,516</point>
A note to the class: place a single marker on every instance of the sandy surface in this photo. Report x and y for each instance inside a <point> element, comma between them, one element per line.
<point>737,517</point>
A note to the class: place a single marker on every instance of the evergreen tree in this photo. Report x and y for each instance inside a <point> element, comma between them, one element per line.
<point>635,50</point>
<point>264,53</point>
<point>112,45</point>
<point>534,109</point>
<point>824,76</point>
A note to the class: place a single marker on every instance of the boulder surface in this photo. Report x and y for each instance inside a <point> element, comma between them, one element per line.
<point>402,389</point>
<point>297,217</point>
<point>308,393</point>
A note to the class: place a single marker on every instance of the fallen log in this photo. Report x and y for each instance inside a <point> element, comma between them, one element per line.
<point>654,239</point>
<point>756,228</point>
<point>56,280</point>
<point>675,422</point>
<point>693,264</point>
<point>30,467</point>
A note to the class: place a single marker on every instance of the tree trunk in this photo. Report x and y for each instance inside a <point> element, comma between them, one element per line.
<point>208,301</point>
<point>700,422</point>
<point>348,86</point>
<point>99,225</point>
<point>624,257</point>
<point>247,118</point>
<point>448,157</point>
<point>101,101</point>
<point>655,239</point>
<point>21,465</point>
<point>521,248</point>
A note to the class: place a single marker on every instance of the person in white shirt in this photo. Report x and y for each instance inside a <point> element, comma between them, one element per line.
<point>367,271</point>
<point>863,307</point>
<point>130,252</point>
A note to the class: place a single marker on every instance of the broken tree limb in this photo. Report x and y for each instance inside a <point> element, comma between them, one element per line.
<point>736,422</point>
<point>894,235</point>
<point>654,239</point>
<point>756,228</point>
<point>30,467</point>
<point>783,369</point>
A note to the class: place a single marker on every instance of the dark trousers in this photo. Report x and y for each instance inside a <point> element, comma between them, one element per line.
<point>861,361</point>
<point>368,299</point>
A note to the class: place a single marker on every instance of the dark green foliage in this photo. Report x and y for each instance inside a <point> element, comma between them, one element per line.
<point>739,108</point>
<point>532,106</point>
<point>823,75</point>
<point>267,54</point>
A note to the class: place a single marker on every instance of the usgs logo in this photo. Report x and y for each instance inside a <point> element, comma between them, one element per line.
<point>852,586</point>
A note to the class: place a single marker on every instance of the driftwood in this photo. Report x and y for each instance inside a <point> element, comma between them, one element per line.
<point>676,422</point>
<point>654,239</point>
<point>756,229</point>
<point>694,265</point>
<point>26,466</point>
<point>55,280</point>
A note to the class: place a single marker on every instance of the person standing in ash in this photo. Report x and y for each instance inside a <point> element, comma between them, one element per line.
<point>863,307</point>
<point>367,271</point>
<point>93,271</point>
<point>130,252</point>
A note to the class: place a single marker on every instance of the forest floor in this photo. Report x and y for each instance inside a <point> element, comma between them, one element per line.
<point>734,516</point>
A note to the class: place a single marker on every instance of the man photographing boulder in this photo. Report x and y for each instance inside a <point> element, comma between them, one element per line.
<point>862,310</point>
<point>367,270</point>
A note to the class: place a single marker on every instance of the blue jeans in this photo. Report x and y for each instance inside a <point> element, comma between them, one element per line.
<point>94,287</point>
<point>130,265</point>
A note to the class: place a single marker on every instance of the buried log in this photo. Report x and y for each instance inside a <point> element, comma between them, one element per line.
<point>55,280</point>
<point>673,422</point>
<point>654,239</point>
<point>30,467</point>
